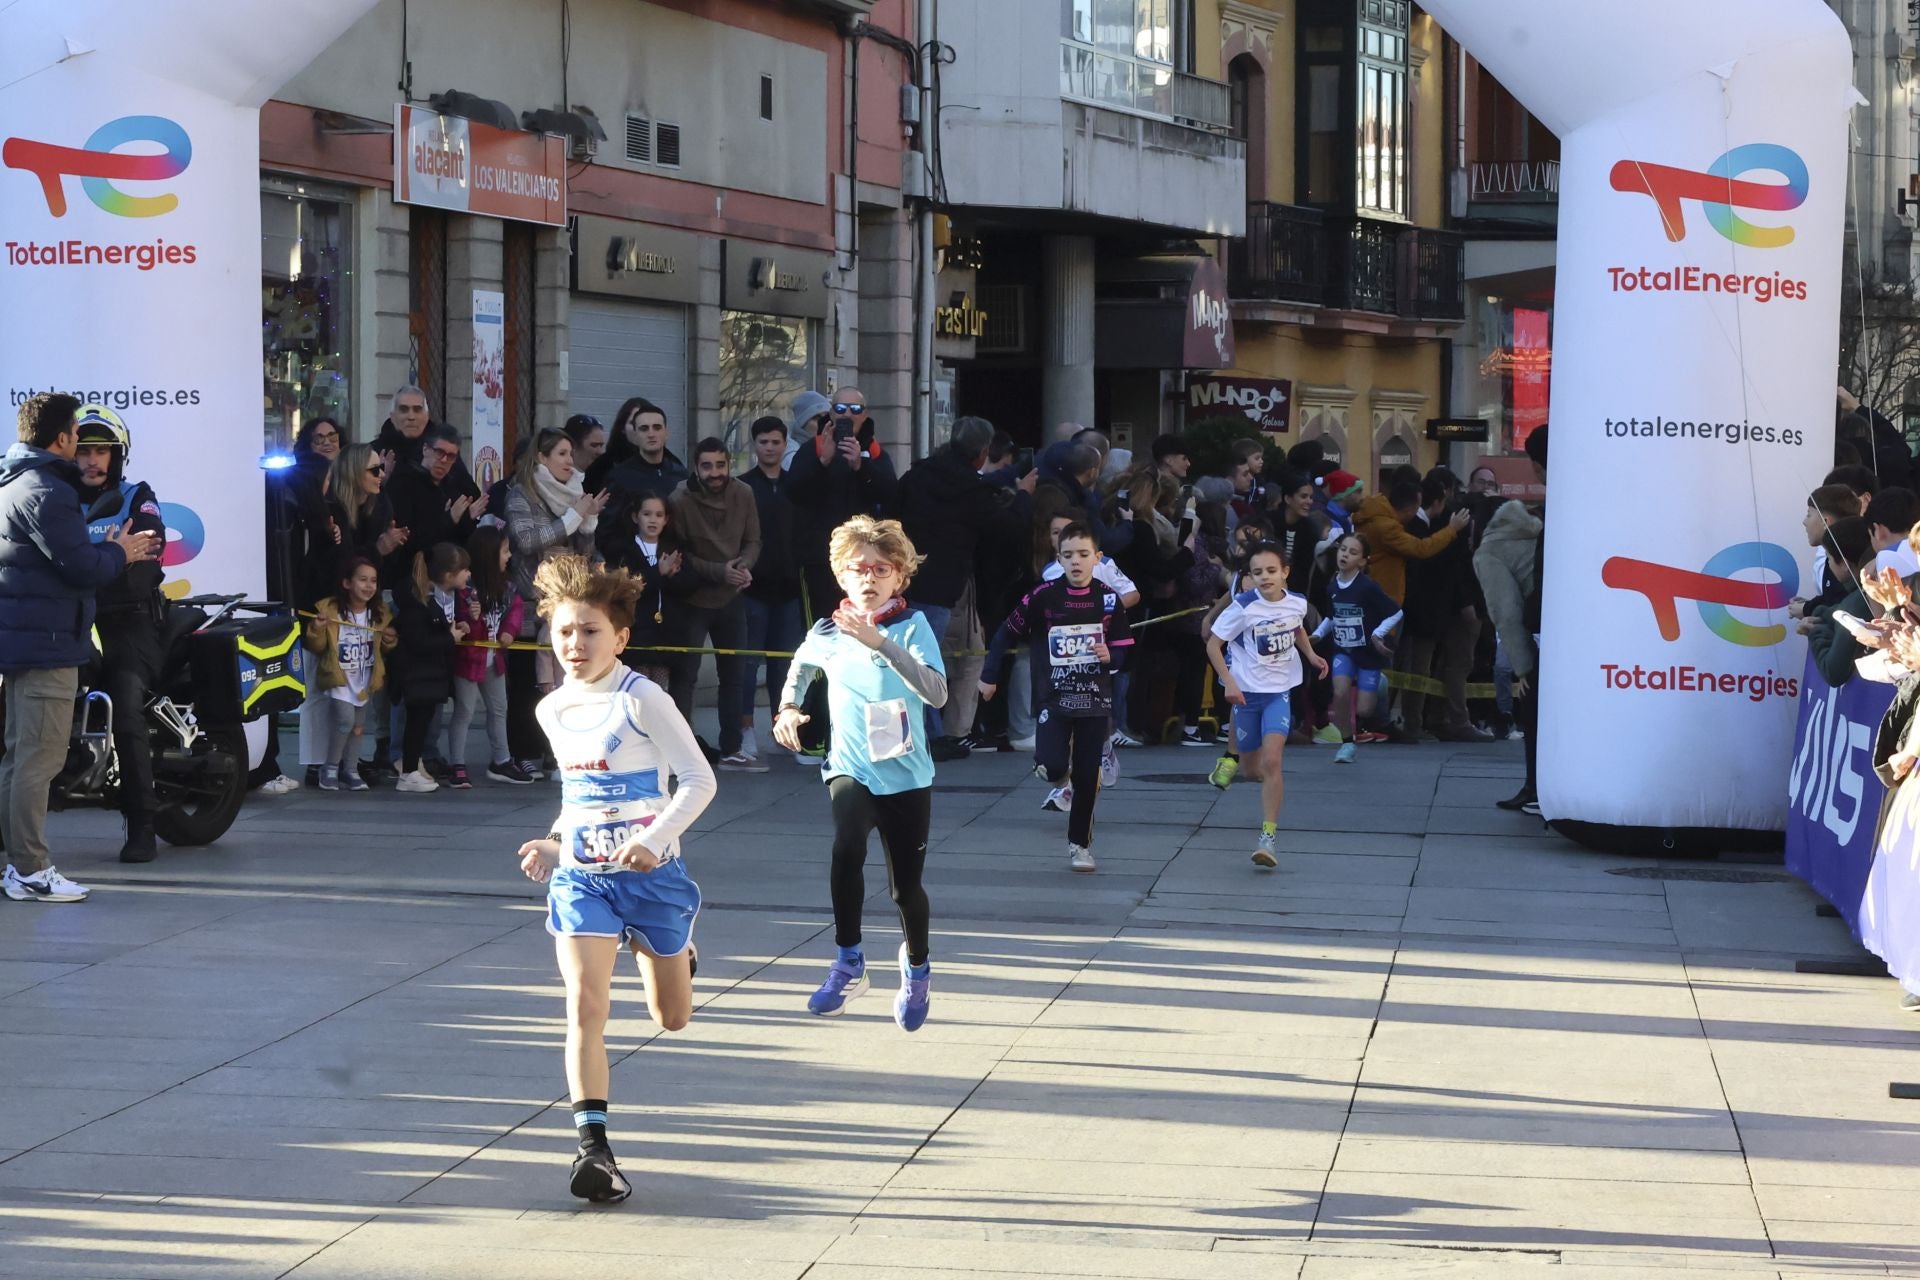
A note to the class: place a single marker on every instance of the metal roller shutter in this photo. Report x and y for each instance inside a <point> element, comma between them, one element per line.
<point>621,349</point>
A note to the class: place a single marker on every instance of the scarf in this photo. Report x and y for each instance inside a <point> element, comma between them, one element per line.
<point>884,614</point>
<point>559,498</point>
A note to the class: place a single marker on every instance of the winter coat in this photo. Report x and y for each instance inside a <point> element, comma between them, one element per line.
<point>1439,587</point>
<point>1833,646</point>
<point>655,614</point>
<point>827,492</point>
<point>361,538</point>
<point>1051,464</point>
<point>1391,546</point>
<point>716,529</point>
<point>635,478</point>
<point>776,574</point>
<point>322,638</point>
<point>954,518</point>
<point>534,535</point>
<point>50,569</point>
<point>423,668</point>
<point>1505,566</point>
<point>472,661</point>
<point>420,506</point>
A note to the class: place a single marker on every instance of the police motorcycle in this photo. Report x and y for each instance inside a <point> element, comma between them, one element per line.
<point>207,671</point>
<point>219,671</point>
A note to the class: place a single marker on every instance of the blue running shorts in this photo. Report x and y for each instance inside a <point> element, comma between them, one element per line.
<point>1369,679</point>
<point>657,906</point>
<point>1264,713</point>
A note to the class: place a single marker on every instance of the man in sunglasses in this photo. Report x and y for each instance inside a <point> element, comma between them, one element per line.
<point>838,472</point>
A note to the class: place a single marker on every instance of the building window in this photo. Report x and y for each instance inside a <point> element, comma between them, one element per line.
<point>766,97</point>
<point>1123,53</point>
<point>1352,78</point>
<point>306,296</point>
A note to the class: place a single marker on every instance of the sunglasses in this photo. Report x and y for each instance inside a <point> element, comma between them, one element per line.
<point>849,408</point>
<point>377,469</point>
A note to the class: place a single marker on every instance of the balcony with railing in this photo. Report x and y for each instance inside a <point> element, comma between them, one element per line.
<point>1141,86</point>
<point>1343,263</point>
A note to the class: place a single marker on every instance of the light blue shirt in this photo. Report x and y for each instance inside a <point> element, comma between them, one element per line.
<point>875,710</point>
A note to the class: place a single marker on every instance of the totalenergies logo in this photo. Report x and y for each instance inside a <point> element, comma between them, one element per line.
<point>1721,190</point>
<point>1714,589</point>
<point>99,164</point>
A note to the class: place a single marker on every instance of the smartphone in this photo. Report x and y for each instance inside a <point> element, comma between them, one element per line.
<point>842,429</point>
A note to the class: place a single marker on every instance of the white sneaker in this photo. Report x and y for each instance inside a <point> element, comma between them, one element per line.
<point>1060,799</point>
<point>1515,734</point>
<point>1079,857</point>
<point>418,782</point>
<point>1021,744</point>
<point>280,786</point>
<point>42,886</point>
<point>749,743</point>
<point>1109,766</point>
<point>1121,738</point>
<point>741,762</point>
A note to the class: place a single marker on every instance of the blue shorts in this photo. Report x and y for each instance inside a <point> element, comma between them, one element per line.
<point>1263,714</point>
<point>1369,679</point>
<point>657,906</point>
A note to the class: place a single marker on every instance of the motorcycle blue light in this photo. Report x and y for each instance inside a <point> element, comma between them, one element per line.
<point>276,461</point>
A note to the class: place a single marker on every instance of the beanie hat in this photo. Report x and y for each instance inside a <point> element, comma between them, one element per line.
<point>1342,484</point>
<point>807,406</point>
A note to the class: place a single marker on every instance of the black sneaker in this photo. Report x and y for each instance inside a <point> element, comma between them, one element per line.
<point>1517,802</point>
<point>313,777</point>
<point>439,770</point>
<point>598,1179</point>
<point>949,748</point>
<point>509,771</point>
<point>533,770</point>
<point>378,773</point>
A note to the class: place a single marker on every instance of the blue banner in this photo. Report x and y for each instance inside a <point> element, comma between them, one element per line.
<point>1834,796</point>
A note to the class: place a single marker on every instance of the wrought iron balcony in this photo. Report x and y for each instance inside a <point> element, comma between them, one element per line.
<point>1283,256</point>
<point>1514,181</point>
<point>1345,262</point>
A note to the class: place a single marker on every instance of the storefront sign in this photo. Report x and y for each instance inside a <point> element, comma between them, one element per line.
<point>1209,343</point>
<point>449,162</point>
<point>958,321</point>
<point>1703,193</point>
<point>489,384</point>
<point>776,281</point>
<point>1457,430</point>
<point>960,318</point>
<point>634,260</point>
<point>1267,402</point>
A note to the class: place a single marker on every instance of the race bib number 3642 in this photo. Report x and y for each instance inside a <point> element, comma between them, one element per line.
<point>1074,646</point>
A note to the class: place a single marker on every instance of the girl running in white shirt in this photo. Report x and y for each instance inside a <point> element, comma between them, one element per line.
<point>612,862</point>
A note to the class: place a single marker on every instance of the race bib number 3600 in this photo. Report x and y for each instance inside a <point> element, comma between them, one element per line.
<point>598,843</point>
<point>1074,646</point>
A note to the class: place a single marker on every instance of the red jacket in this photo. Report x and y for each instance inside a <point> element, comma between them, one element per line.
<point>471,661</point>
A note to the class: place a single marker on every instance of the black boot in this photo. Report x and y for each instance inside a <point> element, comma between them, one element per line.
<point>140,845</point>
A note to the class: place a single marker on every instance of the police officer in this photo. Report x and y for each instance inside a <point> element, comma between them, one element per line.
<point>131,614</point>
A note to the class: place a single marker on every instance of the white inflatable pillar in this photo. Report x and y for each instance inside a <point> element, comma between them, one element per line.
<point>1703,181</point>
<point>130,239</point>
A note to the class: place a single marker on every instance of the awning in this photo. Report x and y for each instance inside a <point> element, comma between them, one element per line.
<point>1162,312</point>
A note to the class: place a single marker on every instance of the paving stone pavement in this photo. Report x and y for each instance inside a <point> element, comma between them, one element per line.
<point>1438,1041</point>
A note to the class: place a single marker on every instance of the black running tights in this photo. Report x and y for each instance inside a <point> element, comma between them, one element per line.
<point>1069,750</point>
<point>902,820</point>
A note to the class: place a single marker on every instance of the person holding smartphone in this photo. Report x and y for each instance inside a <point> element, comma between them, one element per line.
<point>840,473</point>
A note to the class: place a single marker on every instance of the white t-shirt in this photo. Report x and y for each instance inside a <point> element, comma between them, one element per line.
<point>1260,635</point>
<point>1105,572</point>
<point>356,656</point>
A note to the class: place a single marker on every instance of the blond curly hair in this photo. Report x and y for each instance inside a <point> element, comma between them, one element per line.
<point>566,578</point>
<point>884,536</point>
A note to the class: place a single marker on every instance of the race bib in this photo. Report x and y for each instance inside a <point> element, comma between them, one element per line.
<point>596,843</point>
<point>889,730</point>
<point>1348,632</point>
<point>1272,641</point>
<point>1074,646</point>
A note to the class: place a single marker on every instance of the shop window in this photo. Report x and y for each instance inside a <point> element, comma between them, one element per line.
<point>765,361</point>
<point>427,308</point>
<point>306,296</point>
